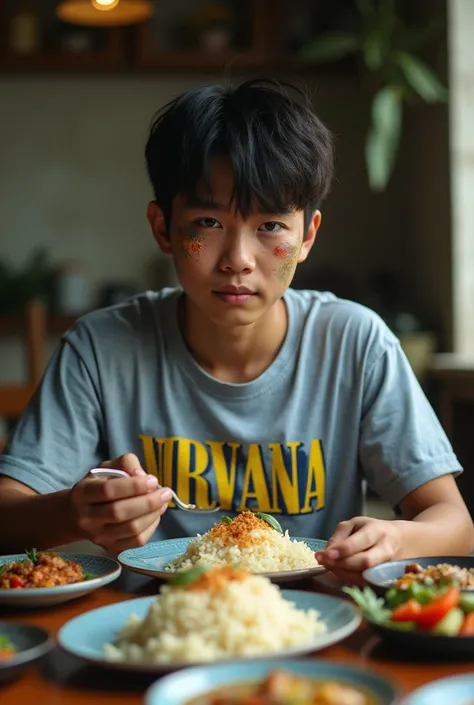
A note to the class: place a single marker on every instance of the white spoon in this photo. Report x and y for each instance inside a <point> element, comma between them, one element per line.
<point>109,473</point>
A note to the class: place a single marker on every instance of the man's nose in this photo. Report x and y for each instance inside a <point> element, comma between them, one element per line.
<point>238,255</point>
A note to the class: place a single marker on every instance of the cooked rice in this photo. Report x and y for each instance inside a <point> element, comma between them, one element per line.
<point>225,613</point>
<point>248,542</point>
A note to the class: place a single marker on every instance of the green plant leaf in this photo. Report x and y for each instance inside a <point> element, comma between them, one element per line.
<point>373,49</point>
<point>421,78</point>
<point>330,47</point>
<point>384,136</point>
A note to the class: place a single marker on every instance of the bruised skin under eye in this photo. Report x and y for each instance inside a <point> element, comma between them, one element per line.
<point>192,241</point>
<point>287,253</point>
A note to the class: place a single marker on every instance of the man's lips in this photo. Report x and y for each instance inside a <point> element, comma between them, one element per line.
<point>234,295</point>
<point>234,290</point>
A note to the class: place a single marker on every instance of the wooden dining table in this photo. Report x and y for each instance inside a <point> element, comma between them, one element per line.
<point>63,679</point>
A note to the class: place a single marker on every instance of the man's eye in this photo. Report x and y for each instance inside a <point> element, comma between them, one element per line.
<point>271,227</point>
<point>208,223</point>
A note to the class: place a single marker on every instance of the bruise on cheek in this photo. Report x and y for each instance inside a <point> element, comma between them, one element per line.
<point>283,250</point>
<point>287,253</point>
<point>192,242</point>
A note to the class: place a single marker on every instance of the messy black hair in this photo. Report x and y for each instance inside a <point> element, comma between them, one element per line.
<point>280,153</point>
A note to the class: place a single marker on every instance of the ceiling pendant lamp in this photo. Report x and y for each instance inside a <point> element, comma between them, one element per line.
<point>105,13</point>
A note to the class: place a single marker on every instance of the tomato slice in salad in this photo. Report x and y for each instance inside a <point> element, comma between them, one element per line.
<point>435,610</point>
<point>406,612</point>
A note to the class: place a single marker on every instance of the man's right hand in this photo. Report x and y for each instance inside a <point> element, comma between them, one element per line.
<point>119,513</point>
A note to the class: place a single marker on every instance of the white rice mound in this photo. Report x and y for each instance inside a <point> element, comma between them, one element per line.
<point>243,619</point>
<point>267,551</point>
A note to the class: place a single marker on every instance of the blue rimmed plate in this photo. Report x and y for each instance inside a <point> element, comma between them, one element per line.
<point>154,557</point>
<point>102,569</point>
<point>30,644</point>
<point>181,688</point>
<point>458,690</point>
<point>86,635</point>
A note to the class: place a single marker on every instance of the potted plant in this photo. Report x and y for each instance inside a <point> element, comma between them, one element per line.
<point>386,45</point>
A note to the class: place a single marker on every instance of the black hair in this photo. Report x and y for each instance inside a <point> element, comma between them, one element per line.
<point>280,153</point>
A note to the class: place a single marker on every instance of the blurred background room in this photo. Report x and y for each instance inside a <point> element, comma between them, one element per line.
<point>394,80</point>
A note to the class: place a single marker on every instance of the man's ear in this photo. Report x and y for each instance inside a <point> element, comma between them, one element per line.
<point>310,236</point>
<point>156,218</point>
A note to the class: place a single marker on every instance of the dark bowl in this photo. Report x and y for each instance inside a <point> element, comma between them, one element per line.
<point>30,643</point>
<point>423,643</point>
<point>381,577</point>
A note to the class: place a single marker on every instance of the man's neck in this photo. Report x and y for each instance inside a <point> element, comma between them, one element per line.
<point>238,354</point>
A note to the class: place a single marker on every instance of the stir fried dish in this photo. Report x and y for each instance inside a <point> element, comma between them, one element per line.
<point>7,650</point>
<point>441,574</point>
<point>443,611</point>
<point>285,688</point>
<point>41,569</point>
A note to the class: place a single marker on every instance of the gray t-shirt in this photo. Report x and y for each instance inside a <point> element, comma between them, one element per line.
<point>338,404</point>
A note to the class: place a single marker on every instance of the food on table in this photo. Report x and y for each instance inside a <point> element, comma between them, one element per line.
<point>441,574</point>
<point>207,615</point>
<point>286,688</point>
<point>443,611</point>
<point>254,542</point>
<point>41,569</point>
<point>7,650</point>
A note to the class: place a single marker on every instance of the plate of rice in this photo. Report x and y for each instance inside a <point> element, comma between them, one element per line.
<point>203,616</point>
<point>254,542</point>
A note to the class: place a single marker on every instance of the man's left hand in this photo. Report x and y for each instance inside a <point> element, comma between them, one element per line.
<point>360,543</point>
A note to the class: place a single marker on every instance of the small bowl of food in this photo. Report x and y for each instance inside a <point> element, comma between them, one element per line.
<point>20,645</point>
<point>431,618</point>
<point>38,578</point>
<point>441,571</point>
<point>272,682</point>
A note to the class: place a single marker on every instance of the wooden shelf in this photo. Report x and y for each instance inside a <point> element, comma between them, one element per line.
<point>133,50</point>
<point>111,58</point>
<point>200,61</point>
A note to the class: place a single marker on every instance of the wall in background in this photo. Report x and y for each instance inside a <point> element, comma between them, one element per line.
<point>461,14</point>
<point>73,179</point>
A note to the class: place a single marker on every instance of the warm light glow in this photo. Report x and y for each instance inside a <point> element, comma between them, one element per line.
<point>104,13</point>
<point>105,4</point>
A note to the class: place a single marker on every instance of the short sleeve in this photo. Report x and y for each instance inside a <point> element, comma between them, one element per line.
<point>402,443</point>
<point>61,434</point>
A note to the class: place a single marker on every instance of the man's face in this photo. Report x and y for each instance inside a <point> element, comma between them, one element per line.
<point>232,269</point>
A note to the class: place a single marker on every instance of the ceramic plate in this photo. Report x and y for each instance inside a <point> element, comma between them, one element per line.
<point>30,644</point>
<point>152,559</point>
<point>455,690</point>
<point>103,569</point>
<point>85,636</point>
<point>179,688</point>
<point>381,577</point>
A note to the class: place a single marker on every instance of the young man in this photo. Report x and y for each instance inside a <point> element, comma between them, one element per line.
<point>235,389</point>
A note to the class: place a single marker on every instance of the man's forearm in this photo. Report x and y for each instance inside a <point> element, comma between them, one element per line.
<point>35,521</point>
<point>444,529</point>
